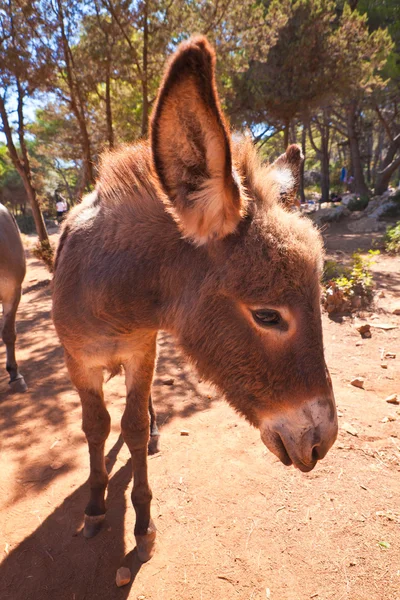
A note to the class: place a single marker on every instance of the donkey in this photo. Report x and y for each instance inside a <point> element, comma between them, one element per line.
<point>191,234</point>
<point>12,273</point>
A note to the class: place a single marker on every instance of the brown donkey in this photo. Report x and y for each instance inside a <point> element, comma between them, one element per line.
<point>190,234</point>
<point>12,273</point>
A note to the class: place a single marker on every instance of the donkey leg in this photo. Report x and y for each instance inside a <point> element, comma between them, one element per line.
<point>153,447</point>
<point>96,426</point>
<point>9,335</point>
<point>135,426</point>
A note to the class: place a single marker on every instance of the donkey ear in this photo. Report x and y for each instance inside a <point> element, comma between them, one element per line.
<point>191,146</point>
<point>286,170</point>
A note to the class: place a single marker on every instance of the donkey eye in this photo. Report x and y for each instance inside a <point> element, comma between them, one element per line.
<point>267,317</point>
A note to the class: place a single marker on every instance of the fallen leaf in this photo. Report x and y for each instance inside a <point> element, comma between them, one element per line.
<point>384,545</point>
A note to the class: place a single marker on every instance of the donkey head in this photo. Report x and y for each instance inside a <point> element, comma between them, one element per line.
<point>250,315</point>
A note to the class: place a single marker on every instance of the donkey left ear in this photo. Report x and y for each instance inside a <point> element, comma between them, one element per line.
<point>191,146</point>
<point>287,174</point>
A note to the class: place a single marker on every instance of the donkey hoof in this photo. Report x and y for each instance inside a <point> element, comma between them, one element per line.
<point>18,386</point>
<point>146,544</point>
<point>153,446</point>
<point>92,525</point>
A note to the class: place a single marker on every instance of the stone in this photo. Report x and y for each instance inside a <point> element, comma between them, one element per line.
<point>392,399</point>
<point>384,365</point>
<point>364,329</point>
<point>350,429</point>
<point>358,382</point>
<point>396,311</point>
<point>123,576</point>
<point>390,355</point>
<point>383,209</point>
<point>168,381</point>
<point>184,432</point>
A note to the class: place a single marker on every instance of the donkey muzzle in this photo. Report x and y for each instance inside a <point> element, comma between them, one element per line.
<point>303,434</point>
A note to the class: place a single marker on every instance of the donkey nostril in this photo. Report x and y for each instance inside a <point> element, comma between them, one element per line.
<point>315,453</point>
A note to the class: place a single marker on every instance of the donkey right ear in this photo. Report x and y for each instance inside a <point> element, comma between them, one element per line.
<point>191,146</point>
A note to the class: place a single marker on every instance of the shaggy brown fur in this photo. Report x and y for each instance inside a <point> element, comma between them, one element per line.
<point>189,235</point>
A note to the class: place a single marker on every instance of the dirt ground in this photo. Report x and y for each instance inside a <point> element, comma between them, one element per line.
<point>232,521</point>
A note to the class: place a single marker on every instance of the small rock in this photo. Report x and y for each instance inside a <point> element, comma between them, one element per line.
<point>359,343</point>
<point>56,464</point>
<point>339,413</point>
<point>364,330</point>
<point>353,563</point>
<point>384,326</point>
<point>384,365</point>
<point>391,418</point>
<point>390,355</point>
<point>350,429</point>
<point>393,399</point>
<point>381,294</point>
<point>396,311</point>
<point>123,576</point>
<point>385,420</point>
<point>141,598</point>
<point>358,382</point>
<point>184,432</point>
<point>168,381</point>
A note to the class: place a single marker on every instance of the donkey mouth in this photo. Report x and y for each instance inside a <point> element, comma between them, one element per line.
<point>275,444</point>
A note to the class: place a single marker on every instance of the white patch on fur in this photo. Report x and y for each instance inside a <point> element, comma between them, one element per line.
<point>284,179</point>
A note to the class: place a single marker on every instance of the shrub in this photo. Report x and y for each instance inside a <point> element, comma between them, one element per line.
<point>358,203</point>
<point>44,251</point>
<point>349,288</point>
<point>26,223</point>
<point>392,239</point>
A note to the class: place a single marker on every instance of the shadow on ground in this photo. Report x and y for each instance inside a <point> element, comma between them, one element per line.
<point>55,561</point>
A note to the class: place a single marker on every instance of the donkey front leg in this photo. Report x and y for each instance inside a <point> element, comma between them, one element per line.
<point>96,426</point>
<point>153,446</point>
<point>9,335</point>
<point>135,426</point>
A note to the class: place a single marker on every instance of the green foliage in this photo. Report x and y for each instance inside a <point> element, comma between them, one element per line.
<point>45,251</point>
<point>26,223</point>
<point>359,203</point>
<point>349,288</point>
<point>392,239</point>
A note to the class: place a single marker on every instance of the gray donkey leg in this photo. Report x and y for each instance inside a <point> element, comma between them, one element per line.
<point>9,335</point>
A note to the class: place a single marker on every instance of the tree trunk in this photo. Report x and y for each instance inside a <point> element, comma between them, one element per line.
<point>383,178</point>
<point>23,168</point>
<point>389,166</point>
<point>37,213</point>
<point>377,154</point>
<point>325,180</point>
<point>286,134</point>
<point>360,187</point>
<point>145,99</point>
<point>110,132</point>
<point>303,149</point>
<point>76,101</point>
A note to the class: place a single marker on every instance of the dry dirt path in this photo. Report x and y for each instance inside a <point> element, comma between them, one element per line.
<point>232,521</point>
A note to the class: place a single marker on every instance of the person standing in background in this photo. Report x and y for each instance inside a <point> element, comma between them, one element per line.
<point>61,206</point>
